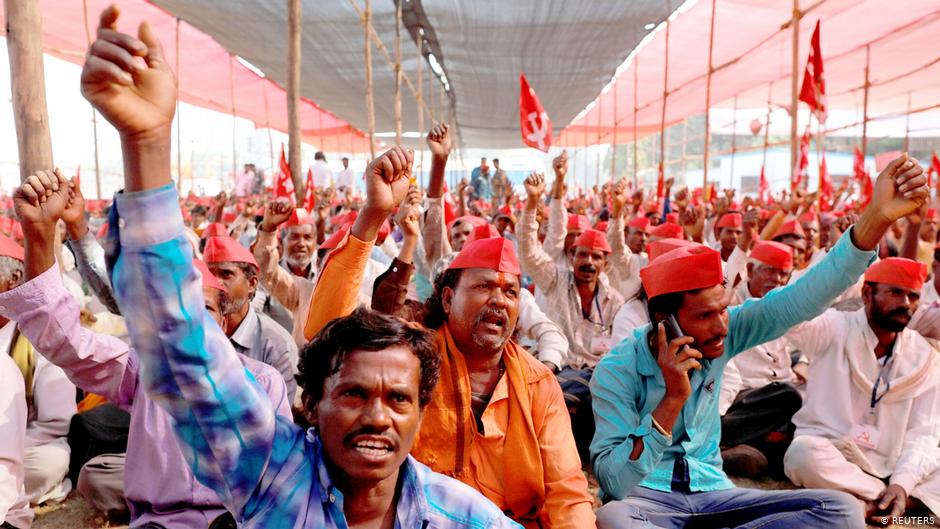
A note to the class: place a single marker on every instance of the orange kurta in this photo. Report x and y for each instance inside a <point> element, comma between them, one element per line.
<point>520,438</point>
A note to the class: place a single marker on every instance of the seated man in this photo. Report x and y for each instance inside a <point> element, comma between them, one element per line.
<point>353,469</point>
<point>656,447</point>
<point>758,394</point>
<point>14,507</point>
<point>870,416</point>
<point>156,483</point>
<point>49,397</point>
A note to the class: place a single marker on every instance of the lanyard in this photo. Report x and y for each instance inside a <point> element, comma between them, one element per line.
<point>599,313</point>
<point>875,399</point>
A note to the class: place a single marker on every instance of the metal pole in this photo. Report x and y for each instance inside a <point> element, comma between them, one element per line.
<point>636,85</point>
<point>734,136</point>
<point>662,121</point>
<point>420,98</point>
<point>370,104</point>
<point>231,84</point>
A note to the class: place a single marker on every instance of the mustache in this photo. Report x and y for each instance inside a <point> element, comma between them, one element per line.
<point>898,312</point>
<point>587,269</point>
<point>370,430</point>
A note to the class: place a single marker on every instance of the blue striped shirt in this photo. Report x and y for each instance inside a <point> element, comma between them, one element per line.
<point>267,471</point>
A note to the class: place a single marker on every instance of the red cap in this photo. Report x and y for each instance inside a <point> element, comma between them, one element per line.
<point>227,250</point>
<point>593,240</point>
<point>730,220</point>
<point>773,254</point>
<point>216,229</point>
<point>229,217</point>
<point>657,248</point>
<point>485,231</point>
<point>471,219</point>
<point>932,215</point>
<point>899,272</point>
<point>682,269</point>
<point>672,217</point>
<point>17,231</point>
<point>299,217</point>
<point>765,214</point>
<point>495,253</point>
<point>9,248</point>
<point>208,278</point>
<point>578,222</point>
<point>668,230</point>
<point>790,227</point>
<point>333,240</point>
<point>601,225</point>
<point>640,223</point>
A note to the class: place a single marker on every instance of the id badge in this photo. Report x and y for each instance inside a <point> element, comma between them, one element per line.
<point>865,435</point>
<point>601,345</point>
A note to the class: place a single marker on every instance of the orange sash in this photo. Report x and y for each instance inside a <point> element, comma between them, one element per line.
<point>448,429</point>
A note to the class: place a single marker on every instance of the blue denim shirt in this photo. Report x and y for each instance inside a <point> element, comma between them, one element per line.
<point>628,385</point>
<point>267,471</point>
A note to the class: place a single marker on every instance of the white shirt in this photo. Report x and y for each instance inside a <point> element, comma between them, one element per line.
<point>843,371</point>
<point>14,507</point>
<point>346,178</point>
<point>322,176</point>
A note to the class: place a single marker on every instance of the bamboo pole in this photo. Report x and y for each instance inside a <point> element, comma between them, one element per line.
<point>597,152</point>
<point>398,72</point>
<point>865,104</point>
<point>179,147</point>
<point>636,85</point>
<point>708,102</point>
<point>267,124</point>
<point>94,113</point>
<point>294,14</point>
<point>770,94</point>
<point>794,77</point>
<point>28,85</point>
<point>662,121</point>
<point>613,153</point>
<point>734,135</point>
<point>420,97</point>
<point>370,104</point>
<point>231,87</point>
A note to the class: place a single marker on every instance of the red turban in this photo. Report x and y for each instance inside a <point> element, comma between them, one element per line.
<point>730,220</point>
<point>578,222</point>
<point>485,231</point>
<point>593,240</point>
<point>9,248</point>
<point>790,227</point>
<point>668,230</point>
<point>657,248</point>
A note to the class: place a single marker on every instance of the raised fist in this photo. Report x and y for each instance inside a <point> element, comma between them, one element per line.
<point>40,201</point>
<point>388,178</point>
<point>439,141</point>
<point>276,214</point>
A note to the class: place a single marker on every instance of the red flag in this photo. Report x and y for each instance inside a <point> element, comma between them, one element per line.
<point>762,186</point>
<point>533,120</point>
<point>825,186</point>
<point>310,196</point>
<point>284,184</point>
<point>813,92</point>
<point>934,168</point>
<point>866,189</point>
<point>802,161</point>
<point>660,182</point>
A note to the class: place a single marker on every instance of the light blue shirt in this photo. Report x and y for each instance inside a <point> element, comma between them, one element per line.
<point>628,384</point>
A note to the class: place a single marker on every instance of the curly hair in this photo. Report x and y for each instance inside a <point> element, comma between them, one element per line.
<point>366,330</point>
<point>434,315</point>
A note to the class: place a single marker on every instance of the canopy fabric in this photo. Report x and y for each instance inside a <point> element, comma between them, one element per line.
<point>208,76</point>
<point>568,49</point>
<point>753,57</point>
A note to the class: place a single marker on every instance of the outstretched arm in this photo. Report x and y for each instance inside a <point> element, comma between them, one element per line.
<point>534,259</point>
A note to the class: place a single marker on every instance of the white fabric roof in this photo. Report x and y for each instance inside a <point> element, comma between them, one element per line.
<point>568,49</point>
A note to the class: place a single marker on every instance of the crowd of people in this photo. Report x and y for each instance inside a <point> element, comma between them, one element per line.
<point>408,358</point>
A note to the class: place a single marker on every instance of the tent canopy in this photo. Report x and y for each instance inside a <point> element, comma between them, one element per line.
<point>753,59</point>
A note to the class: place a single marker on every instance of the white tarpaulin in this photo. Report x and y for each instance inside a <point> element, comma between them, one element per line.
<point>568,49</point>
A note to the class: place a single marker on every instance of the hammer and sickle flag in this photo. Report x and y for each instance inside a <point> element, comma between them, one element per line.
<point>534,123</point>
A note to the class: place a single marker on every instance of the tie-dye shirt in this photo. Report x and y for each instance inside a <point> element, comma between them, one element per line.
<point>267,471</point>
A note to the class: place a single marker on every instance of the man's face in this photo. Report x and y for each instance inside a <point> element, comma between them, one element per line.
<point>570,237</point>
<point>799,249</point>
<point>890,307</point>
<point>496,164</point>
<point>811,228</point>
<point>824,229</point>
<point>300,242</point>
<point>198,219</point>
<point>345,163</point>
<point>637,239</point>
<point>458,235</point>
<point>11,281</point>
<point>928,231</point>
<point>369,414</point>
<point>588,264</point>
<point>214,305</point>
<point>239,287</point>
<point>704,316</point>
<point>655,219</point>
<point>502,223</point>
<point>482,310</point>
<point>728,237</point>
<point>761,279</point>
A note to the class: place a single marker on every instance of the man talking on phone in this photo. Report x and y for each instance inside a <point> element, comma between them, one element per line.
<point>656,447</point>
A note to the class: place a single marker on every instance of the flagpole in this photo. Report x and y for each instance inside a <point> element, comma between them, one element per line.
<point>94,113</point>
<point>907,125</point>
<point>613,152</point>
<point>770,93</point>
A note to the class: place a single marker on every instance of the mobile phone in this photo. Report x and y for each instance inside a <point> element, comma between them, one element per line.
<point>672,328</point>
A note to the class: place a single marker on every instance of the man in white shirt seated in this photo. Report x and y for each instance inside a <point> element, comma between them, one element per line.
<point>870,421</point>
<point>758,395</point>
